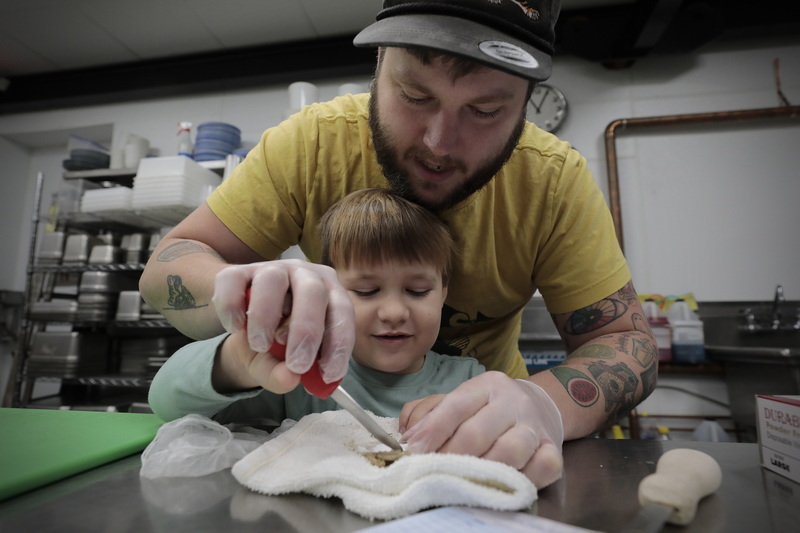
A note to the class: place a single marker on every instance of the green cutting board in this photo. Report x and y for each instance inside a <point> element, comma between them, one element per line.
<point>39,446</point>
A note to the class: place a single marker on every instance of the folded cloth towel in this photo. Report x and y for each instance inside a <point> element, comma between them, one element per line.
<point>323,455</point>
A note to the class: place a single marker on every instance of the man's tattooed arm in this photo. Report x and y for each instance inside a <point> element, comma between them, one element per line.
<point>611,353</point>
<point>179,297</point>
<point>180,276</point>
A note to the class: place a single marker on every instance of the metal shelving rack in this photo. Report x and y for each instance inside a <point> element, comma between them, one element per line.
<point>18,392</point>
<point>20,386</point>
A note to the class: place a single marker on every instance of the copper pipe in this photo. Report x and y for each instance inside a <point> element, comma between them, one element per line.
<point>624,124</point>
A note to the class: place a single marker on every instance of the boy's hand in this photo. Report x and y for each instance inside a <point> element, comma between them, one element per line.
<point>237,367</point>
<point>495,417</point>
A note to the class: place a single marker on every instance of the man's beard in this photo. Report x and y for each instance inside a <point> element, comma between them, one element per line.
<point>399,183</point>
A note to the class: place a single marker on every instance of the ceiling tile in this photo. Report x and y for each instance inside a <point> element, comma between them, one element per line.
<point>152,28</point>
<point>50,35</point>
<point>253,22</point>
<point>18,59</point>
<point>64,36</point>
<point>16,5</point>
<point>339,17</point>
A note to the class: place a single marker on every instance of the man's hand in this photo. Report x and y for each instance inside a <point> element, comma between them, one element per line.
<point>495,417</point>
<point>322,317</point>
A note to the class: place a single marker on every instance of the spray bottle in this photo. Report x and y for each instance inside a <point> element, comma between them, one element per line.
<point>185,139</point>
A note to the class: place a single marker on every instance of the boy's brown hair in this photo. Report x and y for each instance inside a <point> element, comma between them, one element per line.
<point>374,226</point>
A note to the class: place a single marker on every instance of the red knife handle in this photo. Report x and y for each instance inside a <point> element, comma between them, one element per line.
<point>312,379</point>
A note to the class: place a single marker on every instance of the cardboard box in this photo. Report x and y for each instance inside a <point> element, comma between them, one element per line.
<point>783,500</point>
<point>779,434</point>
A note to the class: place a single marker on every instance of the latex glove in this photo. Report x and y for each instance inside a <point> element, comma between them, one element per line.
<point>494,417</point>
<point>322,317</point>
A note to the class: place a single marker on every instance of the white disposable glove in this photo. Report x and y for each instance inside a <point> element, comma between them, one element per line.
<point>322,321</point>
<point>495,417</point>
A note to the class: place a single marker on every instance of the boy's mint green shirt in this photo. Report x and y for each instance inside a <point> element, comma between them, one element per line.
<point>183,386</point>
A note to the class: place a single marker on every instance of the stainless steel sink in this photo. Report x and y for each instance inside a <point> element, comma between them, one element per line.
<point>764,355</point>
<point>752,370</point>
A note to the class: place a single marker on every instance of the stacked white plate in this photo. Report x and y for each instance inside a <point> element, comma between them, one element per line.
<point>106,199</point>
<point>179,191</point>
<point>169,188</point>
<point>114,203</point>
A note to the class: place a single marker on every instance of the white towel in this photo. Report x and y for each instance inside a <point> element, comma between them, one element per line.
<point>322,455</point>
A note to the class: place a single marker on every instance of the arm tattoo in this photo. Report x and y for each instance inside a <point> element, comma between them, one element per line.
<point>595,316</point>
<point>180,298</point>
<point>640,323</point>
<point>628,293</point>
<point>580,387</point>
<point>649,378</point>
<point>179,249</point>
<point>595,351</point>
<point>643,351</point>
<point>617,382</point>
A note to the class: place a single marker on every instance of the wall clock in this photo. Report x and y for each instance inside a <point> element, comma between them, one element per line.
<point>547,107</point>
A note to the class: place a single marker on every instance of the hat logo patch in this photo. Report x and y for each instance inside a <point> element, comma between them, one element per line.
<point>508,53</point>
<point>523,5</point>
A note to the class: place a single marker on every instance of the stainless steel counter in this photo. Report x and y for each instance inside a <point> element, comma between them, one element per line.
<point>598,491</point>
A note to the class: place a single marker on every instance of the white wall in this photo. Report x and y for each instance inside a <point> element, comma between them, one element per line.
<point>708,210</point>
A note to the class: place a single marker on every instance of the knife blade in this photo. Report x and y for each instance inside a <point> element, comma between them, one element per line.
<point>347,402</point>
<point>314,384</point>
<point>682,478</point>
<point>650,518</point>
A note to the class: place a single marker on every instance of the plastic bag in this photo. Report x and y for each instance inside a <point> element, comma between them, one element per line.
<point>710,431</point>
<point>195,446</point>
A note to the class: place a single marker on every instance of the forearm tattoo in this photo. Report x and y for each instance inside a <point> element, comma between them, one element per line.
<point>180,299</point>
<point>616,381</point>
<point>181,248</point>
<point>581,389</point>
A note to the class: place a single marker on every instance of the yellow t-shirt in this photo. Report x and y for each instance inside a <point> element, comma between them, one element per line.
<point>540,223</point>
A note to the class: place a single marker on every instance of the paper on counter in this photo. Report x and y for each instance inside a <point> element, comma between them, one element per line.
<point>469,520</point>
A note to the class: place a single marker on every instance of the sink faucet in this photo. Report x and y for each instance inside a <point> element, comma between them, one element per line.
<point>750,320</point>
<point>776,312</point>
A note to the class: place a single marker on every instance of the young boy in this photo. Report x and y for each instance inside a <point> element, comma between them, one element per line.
<point>394,259</point>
